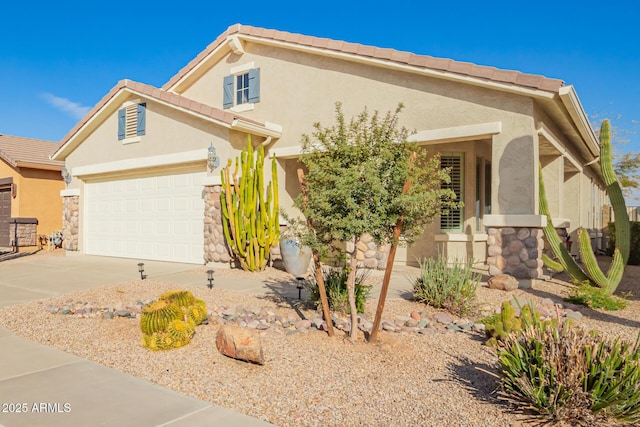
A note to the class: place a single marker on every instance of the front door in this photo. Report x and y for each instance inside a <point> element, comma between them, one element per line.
<point>5,214</point>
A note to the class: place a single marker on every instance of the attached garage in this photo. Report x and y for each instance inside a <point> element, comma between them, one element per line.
<point>158,217</point>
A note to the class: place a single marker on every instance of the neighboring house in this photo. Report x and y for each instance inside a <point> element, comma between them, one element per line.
<point>30,184</point>
<point>139,157</point>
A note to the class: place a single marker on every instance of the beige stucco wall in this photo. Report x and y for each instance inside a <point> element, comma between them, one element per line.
<point>298,89</point>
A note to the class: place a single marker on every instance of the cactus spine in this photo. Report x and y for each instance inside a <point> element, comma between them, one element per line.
<point>594,275</point>
<point>250,215</point>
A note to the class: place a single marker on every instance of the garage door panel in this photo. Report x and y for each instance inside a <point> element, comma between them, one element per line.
<point>149,218</point>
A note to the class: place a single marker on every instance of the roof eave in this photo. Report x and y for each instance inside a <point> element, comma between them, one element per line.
<point>570,100</point>
<point>40,166</point>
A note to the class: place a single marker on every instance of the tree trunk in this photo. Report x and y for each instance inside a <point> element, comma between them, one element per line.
<point>351,290</point>
<point>322,290</point>
<point>397,231</point>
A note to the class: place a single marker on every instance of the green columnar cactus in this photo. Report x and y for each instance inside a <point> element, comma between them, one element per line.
<point>559,250</point>
<point>594,275</point>
<point>623,233</point>
<point>507,324</point>
<point>250,216</point>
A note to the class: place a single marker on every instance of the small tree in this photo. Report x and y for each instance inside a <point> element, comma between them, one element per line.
<point>356,174</point>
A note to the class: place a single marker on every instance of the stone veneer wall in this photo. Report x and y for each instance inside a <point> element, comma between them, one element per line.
<point>369,254</point>
<point>215,247</point>
<point>70,222</point>
<point>515,251</point>
<point>26,234</point>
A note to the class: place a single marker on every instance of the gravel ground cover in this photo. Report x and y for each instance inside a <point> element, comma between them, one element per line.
<point>441,378</point>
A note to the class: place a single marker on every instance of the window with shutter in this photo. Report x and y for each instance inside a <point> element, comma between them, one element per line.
<point>452,219</point>
<point>241,88</point>
<point>131,121</point>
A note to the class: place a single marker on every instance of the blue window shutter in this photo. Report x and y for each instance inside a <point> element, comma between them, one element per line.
<point>254,85</point>
<point>142,121</point>
<point>122,117</point>
<point>227,101</point>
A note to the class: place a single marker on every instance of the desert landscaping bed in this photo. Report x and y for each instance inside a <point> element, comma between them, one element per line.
<point>427,379</point>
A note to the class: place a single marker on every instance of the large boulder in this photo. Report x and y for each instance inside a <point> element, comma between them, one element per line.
<point>504,282</point>
<point>240,343</point>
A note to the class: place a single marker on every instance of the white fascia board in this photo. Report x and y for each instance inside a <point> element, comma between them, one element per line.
<point>457,133</point>
<point>555,141</point>
<point>447,75</point>
<point>534,221</point>
<point>141,163</point>
<point>269,129</point>
<point>570,99</point>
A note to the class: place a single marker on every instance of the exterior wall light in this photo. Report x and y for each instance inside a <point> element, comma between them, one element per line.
<point>212,159</point>
<point>210,279</point>
<point>141,271</point>
<point>66,176</point>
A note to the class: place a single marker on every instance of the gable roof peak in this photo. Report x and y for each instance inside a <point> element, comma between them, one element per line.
<point>443,67</point>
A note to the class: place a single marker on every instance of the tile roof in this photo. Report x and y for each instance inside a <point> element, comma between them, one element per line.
<point>27,152</point>
<point>481,72</point>
<point>160,95</point>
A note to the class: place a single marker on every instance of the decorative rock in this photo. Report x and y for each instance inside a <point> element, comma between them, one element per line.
<point>575,315</point>
<point>240,343</point>
<point>442,318</point>
<point>415,315</point>
<point>503,282</point>
<point>303,324</point>
<point>453,327</point>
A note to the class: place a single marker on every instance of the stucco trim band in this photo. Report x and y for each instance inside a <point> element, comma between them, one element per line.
<point>141,163</point>
<point>457,133</point>
<point>534,221</point>
<point>67,192</point>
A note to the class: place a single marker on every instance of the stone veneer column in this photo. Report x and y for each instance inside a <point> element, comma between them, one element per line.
<point>516,251</point>
<point>70,206</point>
<point>215,246</point>
<point>369,254</point>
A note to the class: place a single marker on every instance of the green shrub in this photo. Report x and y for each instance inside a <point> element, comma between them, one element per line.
<point>441,285</point>
<point>335,282</point>
<point>564,373</point>
<point>634,242</point>
<point>594,297</point>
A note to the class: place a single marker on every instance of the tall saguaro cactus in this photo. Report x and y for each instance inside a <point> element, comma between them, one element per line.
<point>250,216</point>
<point>593,272</point>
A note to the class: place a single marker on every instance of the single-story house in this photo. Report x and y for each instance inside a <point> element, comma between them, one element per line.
<point>30,184</point>
<point>142,187</point>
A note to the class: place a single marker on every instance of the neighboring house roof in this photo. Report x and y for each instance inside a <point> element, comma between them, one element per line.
<point>127,87</point>
<point>375,53</point>
<point>31,153</point>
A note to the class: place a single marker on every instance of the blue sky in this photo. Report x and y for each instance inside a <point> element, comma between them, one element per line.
<point>57,59</point>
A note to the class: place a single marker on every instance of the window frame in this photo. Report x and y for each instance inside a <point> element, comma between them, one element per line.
<point>448,220</point>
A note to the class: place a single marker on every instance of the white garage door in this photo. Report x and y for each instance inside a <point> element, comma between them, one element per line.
<point>155,217</point>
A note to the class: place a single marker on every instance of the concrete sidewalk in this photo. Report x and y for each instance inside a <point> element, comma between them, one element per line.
<point>42,386</point>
